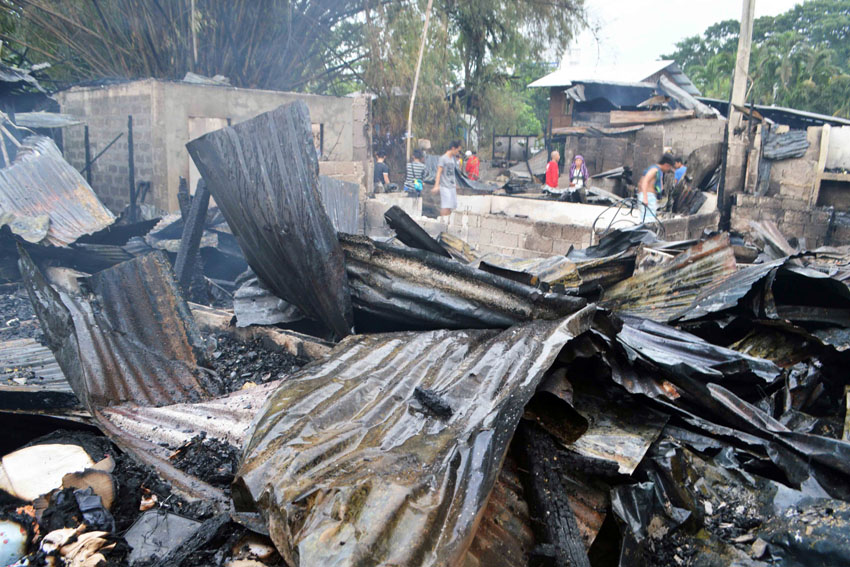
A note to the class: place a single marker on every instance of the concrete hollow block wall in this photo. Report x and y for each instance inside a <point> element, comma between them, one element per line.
<point>521,228</point>
<point>168,114</point>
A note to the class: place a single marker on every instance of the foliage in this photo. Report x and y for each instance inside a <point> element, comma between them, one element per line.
<point>799,59</point>
<point>479,56</point>
<point>255,43</point>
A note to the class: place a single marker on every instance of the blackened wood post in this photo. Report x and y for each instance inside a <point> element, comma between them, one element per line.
<point>88,155</point>
<point>548,498</point>
<point>132,168</point>
<point>193,229</point>
<point>184,200</point>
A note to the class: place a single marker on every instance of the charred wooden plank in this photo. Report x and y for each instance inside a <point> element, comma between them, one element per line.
<point>549,501</point>
<point>186,264</point>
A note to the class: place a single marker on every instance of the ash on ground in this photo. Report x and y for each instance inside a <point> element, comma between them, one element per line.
<point>239,362</point>
<point>17,318</point>
<point>211,460</point>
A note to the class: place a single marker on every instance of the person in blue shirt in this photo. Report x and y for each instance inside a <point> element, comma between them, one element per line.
<point>680,168</point>
<point>651,185</point>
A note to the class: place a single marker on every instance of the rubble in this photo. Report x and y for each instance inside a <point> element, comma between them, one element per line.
<point>637,402</point>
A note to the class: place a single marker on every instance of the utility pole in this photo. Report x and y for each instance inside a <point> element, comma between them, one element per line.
<point>734,158</point>
<point>409,132</point>
<point>742,63</point>
<point>192,23</point>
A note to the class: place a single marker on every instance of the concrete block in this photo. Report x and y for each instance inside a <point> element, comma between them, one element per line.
<point>485,235</point>
<point>794,191</point>
<point>561,247</point>
<point>578,236</point>
<point>505,239</point>
<point>489,249</point>
<point>518,226</point>
<point>547,230</point>
<point>539,243</point>
<point>796,217</point>
<point>472,236</point>
<point>494,223</point>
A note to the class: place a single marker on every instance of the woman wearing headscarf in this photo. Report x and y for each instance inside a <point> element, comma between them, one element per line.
<point>578,173</point>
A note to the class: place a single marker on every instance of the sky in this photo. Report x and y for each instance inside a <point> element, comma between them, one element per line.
<point>632,31</point>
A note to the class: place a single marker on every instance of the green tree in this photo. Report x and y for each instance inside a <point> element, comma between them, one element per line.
<point>796,57</point>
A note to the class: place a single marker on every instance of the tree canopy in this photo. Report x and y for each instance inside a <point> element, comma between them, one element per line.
<point>800,59</point>
<point>480,53</point>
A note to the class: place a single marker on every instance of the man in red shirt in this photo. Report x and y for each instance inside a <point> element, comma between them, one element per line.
<point>472,165</point>
<point>552,170</point>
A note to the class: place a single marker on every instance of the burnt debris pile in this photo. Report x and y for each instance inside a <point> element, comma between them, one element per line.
<point>638,402</point>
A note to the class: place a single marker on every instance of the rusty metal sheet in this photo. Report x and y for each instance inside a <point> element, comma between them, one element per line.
<point>664,292</point>
<point>504,537</point>
<point>132,340</point>
<point>264,175</point>
<point>40,182</point>
<point>412,289</point>
<point>350,464</point>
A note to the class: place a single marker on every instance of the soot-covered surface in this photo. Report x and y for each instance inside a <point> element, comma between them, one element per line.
<point>239,362</point>
<point>17,318</point>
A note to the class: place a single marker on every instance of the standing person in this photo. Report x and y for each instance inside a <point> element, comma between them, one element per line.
<point>381,178</point>
<point>578,173</point>
<point>472,165</point>
<point>415,173</point>
<point>681,169</point>
<point>651,184</point>
<point>552,172</point>
<point>445,183</point>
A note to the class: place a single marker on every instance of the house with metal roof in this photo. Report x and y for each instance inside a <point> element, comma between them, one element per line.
<point>579,89</point>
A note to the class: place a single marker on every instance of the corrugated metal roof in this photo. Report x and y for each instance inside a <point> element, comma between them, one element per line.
<point>406,288</point>
<point>341,200</point>
<point>504,537</point>
<point>663,292</point>
<point>263,174</point>
<point>40,182</point>
<point>21,355</point>
<point>630,74</point>
<point>352,468</point>
<point>133,340</point>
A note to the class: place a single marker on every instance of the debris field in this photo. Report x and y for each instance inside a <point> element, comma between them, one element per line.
<point>401,402</point>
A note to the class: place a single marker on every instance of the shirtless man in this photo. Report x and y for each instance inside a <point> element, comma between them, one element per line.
<point>650,185</point>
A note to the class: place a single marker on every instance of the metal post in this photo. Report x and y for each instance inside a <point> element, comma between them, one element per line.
<point>132,169</point>
<point>88,155</point>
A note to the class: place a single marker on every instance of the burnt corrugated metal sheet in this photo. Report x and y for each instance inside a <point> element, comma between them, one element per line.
<point>664,292</point>
<point>789,145</point>
<point>350,468</point>
<point>341,200</point>
<point>130,341</point>
<point>727,293</point>
<point>408,289</point>
<point>534,271</point>
<point>264,175</point>
<point>23,355</point>
<point>134,340</point>
<point>44,388</point>
<point>40,182</point>
<point>504,537</point>
<point>688,355</point>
